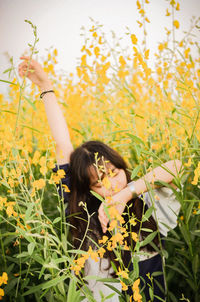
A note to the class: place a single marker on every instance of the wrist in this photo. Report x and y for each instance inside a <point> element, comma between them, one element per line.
<point>46,86</point>
<point>132,189</point>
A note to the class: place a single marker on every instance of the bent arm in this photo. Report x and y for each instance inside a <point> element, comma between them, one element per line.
<point>58,126</point>
<point>165,173</point>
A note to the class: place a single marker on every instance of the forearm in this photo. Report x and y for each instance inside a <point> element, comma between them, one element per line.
<point>158,174</point>
<point>55,117</point>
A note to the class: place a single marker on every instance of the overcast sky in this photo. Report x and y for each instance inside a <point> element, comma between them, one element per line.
<point>59,24</point>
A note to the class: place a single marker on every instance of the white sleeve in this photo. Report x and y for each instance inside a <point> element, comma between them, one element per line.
<point>167,208</point>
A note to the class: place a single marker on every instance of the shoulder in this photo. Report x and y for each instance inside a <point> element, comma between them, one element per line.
<point>166,205</point>
<point>64,167</point>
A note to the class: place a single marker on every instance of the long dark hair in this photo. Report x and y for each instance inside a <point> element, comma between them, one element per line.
<point>81,160</point>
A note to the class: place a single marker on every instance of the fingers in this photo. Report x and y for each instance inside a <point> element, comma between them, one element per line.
<point>22,69</point>
<point>23,66</point>
<point>103,219</point>
<point>25,58</point>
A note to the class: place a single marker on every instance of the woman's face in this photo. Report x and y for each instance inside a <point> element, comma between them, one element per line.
<point>107,182</point>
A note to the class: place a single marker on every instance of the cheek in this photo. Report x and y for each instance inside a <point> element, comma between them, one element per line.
<point>101,191</point>
<point>122,179</point>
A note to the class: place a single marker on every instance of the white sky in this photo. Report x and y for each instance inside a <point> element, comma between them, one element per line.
<point>59,22</point>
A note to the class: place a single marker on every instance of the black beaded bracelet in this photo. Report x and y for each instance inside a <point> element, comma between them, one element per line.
<point>44,92</point>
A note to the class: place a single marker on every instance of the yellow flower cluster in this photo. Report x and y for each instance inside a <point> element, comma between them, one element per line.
<point>8,206</point>
<point>3,280</point>
<point>196,175</point>
<point>80,262</point>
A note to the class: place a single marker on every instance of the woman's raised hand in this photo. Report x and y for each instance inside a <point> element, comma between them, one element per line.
<point>103,218</point>
<point>34,72</point>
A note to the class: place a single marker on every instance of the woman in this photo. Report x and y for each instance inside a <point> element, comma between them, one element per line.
<point>96,167</point>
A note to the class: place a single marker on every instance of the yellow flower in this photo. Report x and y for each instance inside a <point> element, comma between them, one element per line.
<point>177,6</point>
<point>10,211</point>
<point>138,5</point>
<point>103,240</point>
<point>117,238</point>
<point>136,284</point>
<point>133,221</point>
<point>134,236</point>
<point>137,296</point>
<point>136,293</point>
<point>1,293</point>
<point>97,51</point>
<point>134,39</point>
<point>124,286</point>
<point>61,173</point>
<point>93,255</point>
<point>3,279</point>
<point>94,34</point>
<point>122,274</point>
<point>101,252</point>
<point>189,163</point>
<point>106,182</point>
<point>43,170</point>
<point>146,54</point>
<point>66,189</point>
<point>176,24</point>
<point>167,13</point>
<point>39,184</point>
<point>113,225</point>
<point>36,157</point>
<point>55,52</point>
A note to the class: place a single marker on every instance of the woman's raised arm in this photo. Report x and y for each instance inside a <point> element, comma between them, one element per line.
<point>54,114</point>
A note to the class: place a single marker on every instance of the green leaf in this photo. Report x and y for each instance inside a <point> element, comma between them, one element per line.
<point>196,233</point>
<point>7,70</point>
<point>8,111</point>
<point>64,241</point>
<point>149,238</point>
<point>176,269</point>
<point>165,254</point>
<point>97,196</point>
<point>32,104</point>
<point>151,293</point>
<point>147,214</point>
<point>185,234</point>
<point>56,220</point>
<point>112,280</point>
<point>45,285</point>
<point>135,172</point>
<point>113,288</point>
<point>136,139</point>
<point>189,212</point>
<point>23,254</point>
<point>155,274</point>
<point>136,266</point>
<point>195,264</point>
<point>15,152</point>
<point>191,284</point>
<point>147,230</point>
<point>28,211</point>
<point>31,247</point>
<point>5,184</point>
<point>31,128</point>
<point>8,82</point>
<point>73,294</point>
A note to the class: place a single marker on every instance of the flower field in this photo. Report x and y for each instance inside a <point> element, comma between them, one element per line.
<point>150,114</point>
